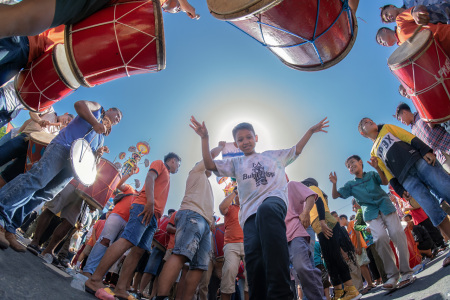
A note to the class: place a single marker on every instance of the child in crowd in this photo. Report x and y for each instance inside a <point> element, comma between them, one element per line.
<point>379,213</point>
<point>262,188</point>
<point>421,237</point>
<point>409,166</point>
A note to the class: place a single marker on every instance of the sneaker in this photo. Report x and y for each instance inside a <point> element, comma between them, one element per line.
<point>351,293</point>
<point>4,243</point>
<point>13,243</point>
<point>338,293</point>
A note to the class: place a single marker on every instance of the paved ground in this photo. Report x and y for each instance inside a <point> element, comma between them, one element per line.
<point>24,276</point>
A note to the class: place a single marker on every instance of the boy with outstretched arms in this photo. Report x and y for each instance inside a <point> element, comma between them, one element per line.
<point>409,166</point>
<point>379,213</point>
<point>262,187</point>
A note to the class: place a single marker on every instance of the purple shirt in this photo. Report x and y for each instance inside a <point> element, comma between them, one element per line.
<point>436,138</point>
<point>297,194</point>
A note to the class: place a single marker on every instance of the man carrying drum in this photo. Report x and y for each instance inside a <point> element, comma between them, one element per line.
<point>31,17</point>
<point>47,122</point>
<point>53,171</point>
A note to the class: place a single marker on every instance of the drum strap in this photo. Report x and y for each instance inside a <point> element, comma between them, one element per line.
<point>119,197</point>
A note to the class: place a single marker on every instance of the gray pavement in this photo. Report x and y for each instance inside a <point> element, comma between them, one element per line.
<point>24,276</point>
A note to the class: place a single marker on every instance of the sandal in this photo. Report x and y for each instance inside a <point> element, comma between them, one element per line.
<point>367,289</point>
<point>105,294</point>
<point>405,282</point>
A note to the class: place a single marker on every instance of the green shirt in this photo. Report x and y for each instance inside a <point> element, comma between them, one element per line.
<point>369,195</point>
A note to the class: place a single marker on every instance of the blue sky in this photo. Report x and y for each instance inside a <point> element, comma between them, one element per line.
<point>222,76</point>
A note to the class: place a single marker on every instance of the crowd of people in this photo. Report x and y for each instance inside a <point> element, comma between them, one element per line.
<point>279,239</point>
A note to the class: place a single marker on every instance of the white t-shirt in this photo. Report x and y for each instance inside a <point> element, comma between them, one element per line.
<point>259,176</point>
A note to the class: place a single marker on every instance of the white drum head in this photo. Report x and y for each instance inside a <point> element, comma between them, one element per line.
<point>63,65</point>
<point>83,161</point>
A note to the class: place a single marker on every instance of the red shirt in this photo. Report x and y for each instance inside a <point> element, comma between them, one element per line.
<point>162,236</point>
<point>161,188</point>
<point>418,215</point>
<point>233,231</point>
<point>98,227</point>
<point>123,207</point>
<point>172,235</point>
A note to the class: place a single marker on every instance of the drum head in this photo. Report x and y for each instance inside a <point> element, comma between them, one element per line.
<point>42,138</point>
<point>62,65</point>
<point>83,162</point>
<point>236,9</point>
<point>409,49</point>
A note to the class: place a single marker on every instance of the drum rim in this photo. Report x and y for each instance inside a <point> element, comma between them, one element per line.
<point>159,32</point>
<point>71,163</point>
<point>71,58</point>
<point>88,199</point>
<point>59,71</point>
<point>257,8</point>
<point>332,62</point>
<point>409,60</point>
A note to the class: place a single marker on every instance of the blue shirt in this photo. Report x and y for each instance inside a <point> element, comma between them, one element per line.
<point>369,194</point>
<point>78,129</point>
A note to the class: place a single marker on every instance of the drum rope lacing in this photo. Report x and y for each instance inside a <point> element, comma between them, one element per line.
<point>345,7</point>
<point>116,21</point>
<point>439,80</point>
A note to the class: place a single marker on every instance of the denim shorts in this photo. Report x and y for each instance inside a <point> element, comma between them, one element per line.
<point>136,232</point>
<point>154,262</point>
<point>193,239</point>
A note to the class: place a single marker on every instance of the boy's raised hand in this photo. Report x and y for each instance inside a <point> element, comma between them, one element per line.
<point>430,158</point>
<point>373,162</point>
<point>320,126</point>
<point>222,144</point>
<point>333,177</point>
<point>200,129</point>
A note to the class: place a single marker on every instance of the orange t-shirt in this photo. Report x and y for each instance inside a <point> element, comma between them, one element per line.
<point>233,231</point>
<point>123,207</point>
<point>161,188</point>
<point>352,232</point>
<point>172,235</point>
<point>406,26</point>
<point>44,41</point>
<point>98,227</point>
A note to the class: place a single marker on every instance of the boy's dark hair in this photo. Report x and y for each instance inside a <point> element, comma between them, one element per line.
<point>171,211</point>
<point>408,215</point>
<point>360,124</point>
<point>343,217</point>
<point>310,182</point>
<point>71,115</point>
<point>354,201</point>
<point>171,155</point>
<point>352,217</point>
<point>354,156</point>
<point>380,31</point>
<point>117,110</point>
<point>382,9</point>
<point>333,213</point>
<point>241,126</point>
<point>400,107</point>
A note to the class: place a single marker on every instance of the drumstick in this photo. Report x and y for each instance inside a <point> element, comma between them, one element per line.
<point>414,33</point>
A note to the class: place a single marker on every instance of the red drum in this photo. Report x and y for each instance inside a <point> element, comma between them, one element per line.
<point>161,237</point>
<point>46,81</point>
<point>121,40</point>
<point>218,238</point>
<point>105,183</point>
<point>423,68</point>
<point>305,35</point>
<point>36,147</point>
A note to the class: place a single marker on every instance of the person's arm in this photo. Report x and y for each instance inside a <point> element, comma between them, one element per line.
<point>223,206</point>
<point>121,185</point>
<point>37,118</point>
<point>328,233</point>
<point>305,215</point>
<point>84,109</point>
<point>304,140</point>
<point>149,208</point>
<point>374,163</point>
<point>334,192</point>
<point>171,229</point>
<point>397,186</point>
<point>358,249</point>
<point>216,151</point>
<point>420,15</point>
<point>201,130</point>
<point>25,124</point>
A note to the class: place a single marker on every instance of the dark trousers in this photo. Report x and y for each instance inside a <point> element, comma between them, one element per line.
<point>435,234</point>
<point>266,252</point>
<point>28,220</point>
<point>372,265</point>
<point>331,251</point>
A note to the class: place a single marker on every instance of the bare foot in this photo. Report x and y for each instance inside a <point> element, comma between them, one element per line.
<point>94,285</point>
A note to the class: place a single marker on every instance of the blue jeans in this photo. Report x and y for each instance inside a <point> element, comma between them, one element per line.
<point>154,262</point>
<point>136,232</point>
<point>16,149</point>
<point>13,56</point>
<point>266,252</point>
<point>309,276</point>
<point>112,230</point>
<point>193,239</point>
<point>429,185</point>
<point>42,183</point>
